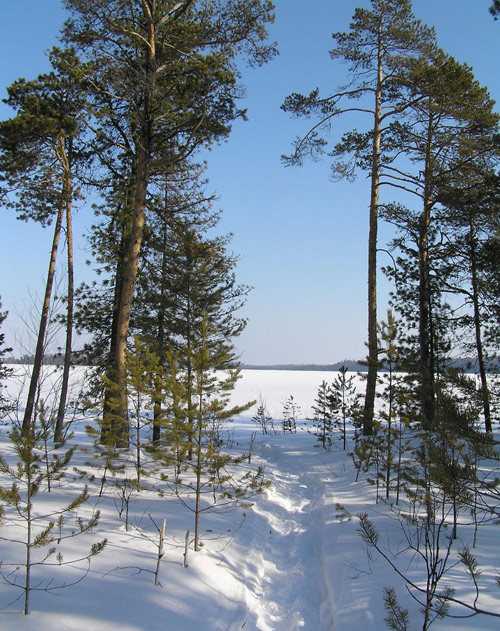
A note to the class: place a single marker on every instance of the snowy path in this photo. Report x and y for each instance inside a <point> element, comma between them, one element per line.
<point>285,551</point>
<point>282,548</point>
<point>294,573</point>
<point>281,569</point>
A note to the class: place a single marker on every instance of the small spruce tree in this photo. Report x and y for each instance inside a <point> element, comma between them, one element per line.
<point>44,526</point>
<point>291,412</point>
<point>326,405</point>
<point>343,390</point>
<point>4,371</point>
<point>263,419</point>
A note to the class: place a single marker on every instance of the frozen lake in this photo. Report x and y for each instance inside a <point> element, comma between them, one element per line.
<point>275,386</point>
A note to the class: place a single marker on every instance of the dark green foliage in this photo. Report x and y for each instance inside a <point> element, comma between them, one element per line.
<point>343,392</point>
<point>291,413</point>
<point>31,475</point>
<point>397,617</point>
<point>164,84</point>
<point>4,371</point>
<point>263,420</point>
<point>43,140</point>
<point>325,408</point>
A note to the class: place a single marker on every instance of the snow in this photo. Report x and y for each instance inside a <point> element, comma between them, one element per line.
<point>292,561</point>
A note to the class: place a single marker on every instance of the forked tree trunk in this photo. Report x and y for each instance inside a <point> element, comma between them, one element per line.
<point>44,318</point>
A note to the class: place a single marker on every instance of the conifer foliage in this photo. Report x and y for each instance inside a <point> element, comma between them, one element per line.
<point>325,408</point>
<point>4,370</point>
<point>43,531</point>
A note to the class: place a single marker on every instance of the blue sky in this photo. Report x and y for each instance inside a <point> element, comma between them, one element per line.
<point>301,237</point>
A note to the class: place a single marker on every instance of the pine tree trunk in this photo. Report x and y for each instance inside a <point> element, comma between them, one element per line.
<point>127,295</point>
<point>199,457</point>
<point>371,380</point>
<point>58,432</point>
<point>29,528</point>
<point>424,293</point>
<point>42,329</point>
<point>108,393</point>
<point>120,425</point>
<point>485,393</point>
<point>157,405</point>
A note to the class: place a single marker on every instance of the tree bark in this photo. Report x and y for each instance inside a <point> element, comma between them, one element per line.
<point>485,393</point>
<point>157,405</point>
<point>118,286</point>
<point>424,292</point>
<point>58,432</point>
<point>42,329</point>
<point>371,380</point>
<point>199,463</point>
<point>120,424</point>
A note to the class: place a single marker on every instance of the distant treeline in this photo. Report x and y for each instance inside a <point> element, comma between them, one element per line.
<point>350,364</point>
<point>56,359</point>
<point>465,364</point>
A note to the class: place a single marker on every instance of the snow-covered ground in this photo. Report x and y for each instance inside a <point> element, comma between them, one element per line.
<point>292,561</point>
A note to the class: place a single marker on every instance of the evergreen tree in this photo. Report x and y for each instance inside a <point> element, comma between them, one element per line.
<point>42,149</point>
<point>326,405</point>
<point>42,530</point>
<point>394,396</point>
<point>471,215</point>
<point>263,419</point>
<point>143,373</point>
<point>201,285</point>
<point>291,412</point>
<point>343,393</point>
<point>206,478</point>
<point>4,371</point>
<point>378,47</point>
<point>164,84</point>
<point>451,122</point>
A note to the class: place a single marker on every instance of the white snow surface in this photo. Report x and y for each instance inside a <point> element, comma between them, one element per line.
<point>292,561</point>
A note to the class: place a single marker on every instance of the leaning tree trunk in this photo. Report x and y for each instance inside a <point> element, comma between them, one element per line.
<point>58,432</point>
<point>44,318</point>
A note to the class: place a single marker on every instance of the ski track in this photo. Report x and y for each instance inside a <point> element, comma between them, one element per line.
<point>289,588</point>
<point>293,570</point>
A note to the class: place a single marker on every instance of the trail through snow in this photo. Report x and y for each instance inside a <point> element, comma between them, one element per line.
<point>295,575</point>
<point>293,562</point>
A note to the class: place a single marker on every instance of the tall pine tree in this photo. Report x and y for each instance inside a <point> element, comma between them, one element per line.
<point>377,48</point>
